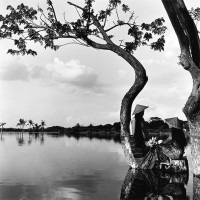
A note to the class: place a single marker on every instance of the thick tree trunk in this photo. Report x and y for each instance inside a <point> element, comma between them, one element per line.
<point>125,116</point>
<point>125,112</point>
<point>192,111</point>
<point>139,83</point>
<point>189,41</point>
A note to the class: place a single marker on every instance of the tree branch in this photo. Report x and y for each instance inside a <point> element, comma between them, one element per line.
<point>116,25</point>
<point>188,23</point>
<point>96,23</point>
<point>97,45</point>
<point>182,37</point>
<point>54,13</point>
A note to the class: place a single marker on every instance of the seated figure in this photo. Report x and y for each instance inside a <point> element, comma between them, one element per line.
<point>174,146</point>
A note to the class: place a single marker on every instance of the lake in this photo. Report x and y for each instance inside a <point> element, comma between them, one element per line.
<point>35,167</point>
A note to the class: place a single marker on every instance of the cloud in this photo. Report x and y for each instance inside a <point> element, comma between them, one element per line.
<point>13,69</point>
<point>56,73</point>
<point>122,73</point>
<point>74,74</point>
<point>164,103</point>
<point>172,45</point>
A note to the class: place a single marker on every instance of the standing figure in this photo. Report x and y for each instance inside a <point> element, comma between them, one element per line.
<point>145,156</point>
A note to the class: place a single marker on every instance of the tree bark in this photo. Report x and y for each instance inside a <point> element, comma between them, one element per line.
<point>127,101</point>
<point>196,188</point>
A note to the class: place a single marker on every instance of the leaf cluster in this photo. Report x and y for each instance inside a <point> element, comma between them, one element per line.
<point>15,23</point>
<point>144,33</point>
<point>195,13</point>
<point>23,24</point>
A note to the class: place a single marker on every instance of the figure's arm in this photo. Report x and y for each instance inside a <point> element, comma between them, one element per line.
<point>144,131</point>
<point>132,128</point>
<point>168,139</point>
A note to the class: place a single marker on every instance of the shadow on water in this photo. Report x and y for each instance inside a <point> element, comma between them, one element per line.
<point>154,185</point>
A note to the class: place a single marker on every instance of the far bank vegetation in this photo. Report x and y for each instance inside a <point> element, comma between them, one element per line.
<point>156,127</point>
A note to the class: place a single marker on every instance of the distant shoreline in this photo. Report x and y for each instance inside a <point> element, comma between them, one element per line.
<point>110,132</point>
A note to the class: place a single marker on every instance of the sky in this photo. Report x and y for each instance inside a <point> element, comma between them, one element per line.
<point>82,85</point>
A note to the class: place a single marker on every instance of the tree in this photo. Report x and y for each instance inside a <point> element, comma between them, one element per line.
<point>30,123</point>
<point>2,124</point>
<point>157,123</point>
<point>188,37</point>
<point>23,24</point>
<point>21,123</point>
<point>36,127</point>
<point>43,124</point>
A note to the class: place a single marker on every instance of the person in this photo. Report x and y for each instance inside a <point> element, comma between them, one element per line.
<point>144,155</point>
<point>150,153</point>
<point>174,146</point>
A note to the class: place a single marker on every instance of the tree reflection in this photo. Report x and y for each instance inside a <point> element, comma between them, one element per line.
<point>29,138</point>
<point>154,185</point>
<point>1,138</point>
<point>42,138</point>
<point>1,125</point>
<point>20,139</point>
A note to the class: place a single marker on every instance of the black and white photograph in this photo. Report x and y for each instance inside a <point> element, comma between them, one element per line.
<point>99,100</point>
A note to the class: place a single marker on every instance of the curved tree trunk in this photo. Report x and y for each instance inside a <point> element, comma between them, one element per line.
<point>125,112</point>
<point>192,112</point>
<point>139,83</point>
<point>189,41</point>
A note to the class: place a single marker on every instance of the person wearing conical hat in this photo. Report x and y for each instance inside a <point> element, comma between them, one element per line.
<point>147,155</point>
<point>173,147</point>
<point>144,156</point>
<point>137,118</point>
<point>174,122</point>
<point>138,113</point>
<point>139,108</point>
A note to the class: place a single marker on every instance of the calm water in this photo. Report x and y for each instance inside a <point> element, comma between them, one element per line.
<point>51,168</point>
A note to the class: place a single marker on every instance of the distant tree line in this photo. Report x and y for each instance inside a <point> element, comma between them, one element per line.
<point>156,127</point>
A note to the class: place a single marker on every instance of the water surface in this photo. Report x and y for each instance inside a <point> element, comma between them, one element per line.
<point>51,168</point>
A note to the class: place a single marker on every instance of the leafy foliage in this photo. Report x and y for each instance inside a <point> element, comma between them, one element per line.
<point>125,8</point>
<point>195,13</point>
<point>23,24</point>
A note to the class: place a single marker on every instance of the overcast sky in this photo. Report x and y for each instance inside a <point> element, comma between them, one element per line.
<point>81,85</point>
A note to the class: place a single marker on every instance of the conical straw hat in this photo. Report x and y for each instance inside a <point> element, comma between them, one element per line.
<point>174,122</point>
<point>139,108</point>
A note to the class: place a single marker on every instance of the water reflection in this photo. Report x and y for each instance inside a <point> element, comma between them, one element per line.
<point>37,136</point>
<point>48,167</point>
<point>154,185</point>
<point>61,168</point>
<point>2,138</point>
